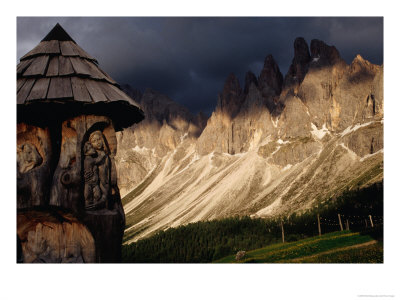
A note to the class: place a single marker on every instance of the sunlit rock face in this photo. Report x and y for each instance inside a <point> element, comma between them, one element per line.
<point>275,146</point>
<point>141,147</point>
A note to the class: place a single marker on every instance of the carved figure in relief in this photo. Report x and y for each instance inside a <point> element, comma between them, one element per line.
<point>27,158</point>
<point>96,172</point>
<point>92,191</point>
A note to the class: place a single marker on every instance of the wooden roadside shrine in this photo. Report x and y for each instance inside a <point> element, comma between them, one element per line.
<point>68,110</point>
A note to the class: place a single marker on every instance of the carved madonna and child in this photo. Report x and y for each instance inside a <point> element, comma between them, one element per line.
<point>96,171</point>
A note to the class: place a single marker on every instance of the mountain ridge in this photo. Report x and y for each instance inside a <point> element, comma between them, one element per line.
<point>279,145</point>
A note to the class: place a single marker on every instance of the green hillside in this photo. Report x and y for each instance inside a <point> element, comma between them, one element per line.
<point>335,247</point>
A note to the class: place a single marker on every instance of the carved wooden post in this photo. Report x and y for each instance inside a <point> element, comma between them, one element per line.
<point>68,110</point>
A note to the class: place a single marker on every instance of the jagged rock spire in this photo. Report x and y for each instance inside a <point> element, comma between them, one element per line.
<point>250,78</point>
<point>324,54</point>
<point>229,101</point>
<point>271,77</point>
<point>299,67</point>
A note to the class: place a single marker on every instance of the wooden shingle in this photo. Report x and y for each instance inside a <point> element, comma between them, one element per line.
<point>95,90</point>
<point>67,49</point>
<point>94,70</point>
<point>82,53</point>
<point>64,66</point>
<point>52,47</point>
<point>110,93</point>
<point>109,79</point>
<point>25,90</point>
<point>60,87</point>
<point>23,65</point>
<point>39,89</point>
<point>39,49</point>
<point>52,70</point>
<point>79,90</point>
<point>20,83</point>
<point>38,66</point>
<point>80,67</point>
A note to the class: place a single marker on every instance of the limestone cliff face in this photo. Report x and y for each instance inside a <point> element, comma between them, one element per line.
<point>276,146</point>
<point>243,118</point>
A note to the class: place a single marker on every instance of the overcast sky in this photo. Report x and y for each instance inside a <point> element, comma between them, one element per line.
<point>188,59</point>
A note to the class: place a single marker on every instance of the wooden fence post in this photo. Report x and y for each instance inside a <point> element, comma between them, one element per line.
<point>319,226</point>
<point>340,223</point>
<point>347,224</point>
<point>283,232</point>
<point>370,218</point>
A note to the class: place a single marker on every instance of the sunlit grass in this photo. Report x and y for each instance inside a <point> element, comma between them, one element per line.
<point>286,252</point>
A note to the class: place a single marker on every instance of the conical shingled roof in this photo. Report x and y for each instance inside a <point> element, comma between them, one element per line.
<point>58,79</point>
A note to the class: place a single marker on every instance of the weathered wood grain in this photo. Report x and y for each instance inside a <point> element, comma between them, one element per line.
<point>38,66</point>
<point>25,90</point>
<point>108,76</point>
<point>67,48</point>
<point>39,49</point>
<point>39,89</point>
<point>23,65</point>
<point>82,53</point>
<point>94,70</point>
<point>52,70</point>
<point>20,83</point>
<point>67,177</point>
<point>54,237</point>
<point>80,66</point>
<point>95,90</point>
<point>33,183</point>
<point>64,66</point>
<point>79,90</point>
<point>60,87</point>
<point>110,93</point>
<point>122,95</point>
<point>52,47</point>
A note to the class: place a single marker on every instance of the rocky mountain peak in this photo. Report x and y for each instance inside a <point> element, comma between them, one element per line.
<point>232,85</point>
<point>271,78</point>
<point>230,100</point>
<point>249,79</point>
<point>359,60</point>
<point>301,52</point>
<point>361,69</point>
<point>299,67</point>
<point>324,54</point>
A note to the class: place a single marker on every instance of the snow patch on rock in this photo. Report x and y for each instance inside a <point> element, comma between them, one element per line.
<point>319,133</point>
<point>370,155</point>
<point>353,128</point>
<point>287,167</point>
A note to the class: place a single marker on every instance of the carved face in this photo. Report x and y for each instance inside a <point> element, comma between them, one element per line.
<point>88,149</point>
<point>28,158</point>
<point>96,140</point>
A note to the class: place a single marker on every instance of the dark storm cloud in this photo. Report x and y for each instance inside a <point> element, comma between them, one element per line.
<point>189,58</point>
